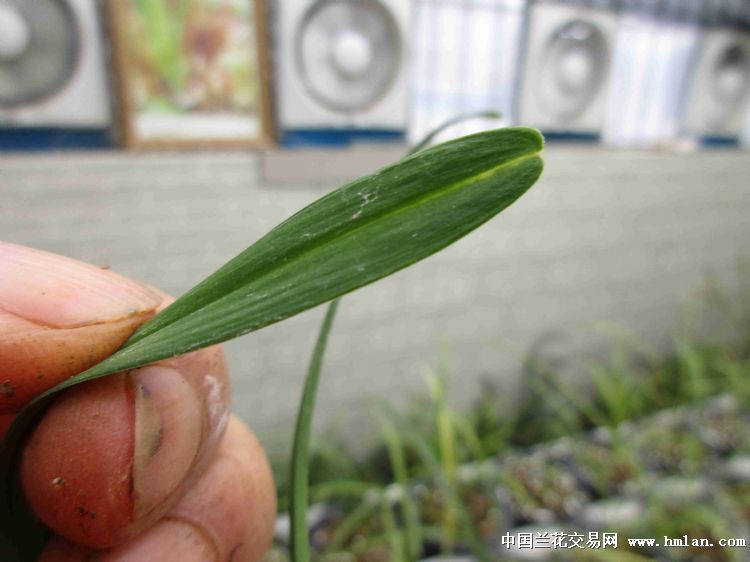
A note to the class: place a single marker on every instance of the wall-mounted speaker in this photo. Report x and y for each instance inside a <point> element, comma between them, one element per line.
<point>341,70</point>
<point>53,81</point>
<point>566,67</point>
<point>720,86</point>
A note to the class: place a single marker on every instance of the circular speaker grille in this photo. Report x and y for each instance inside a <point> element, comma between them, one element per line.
<point>574,69</point>
<point>39,52</point>
<point>730,83</point>
<point>348,53</point>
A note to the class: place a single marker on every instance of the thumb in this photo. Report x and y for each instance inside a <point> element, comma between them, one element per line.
<point>58,317</point>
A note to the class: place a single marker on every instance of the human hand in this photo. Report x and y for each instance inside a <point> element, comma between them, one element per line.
<point>139,466</point>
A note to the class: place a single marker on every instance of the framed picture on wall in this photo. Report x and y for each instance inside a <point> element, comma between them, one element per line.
<point>191,72</point>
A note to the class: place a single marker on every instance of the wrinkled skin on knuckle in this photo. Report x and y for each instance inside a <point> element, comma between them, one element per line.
<point>235,503</point>
<point>111,456</point>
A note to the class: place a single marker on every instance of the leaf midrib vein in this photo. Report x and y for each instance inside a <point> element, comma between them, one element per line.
<point>315,243</point>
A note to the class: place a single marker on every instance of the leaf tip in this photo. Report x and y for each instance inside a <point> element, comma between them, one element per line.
<point>534,136</point>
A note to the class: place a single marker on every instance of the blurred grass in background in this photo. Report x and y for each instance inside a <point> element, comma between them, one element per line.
<point>651,445</point>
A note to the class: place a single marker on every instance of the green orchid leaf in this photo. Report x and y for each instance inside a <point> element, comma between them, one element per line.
<point>364,231</point>
<point>299,480</point>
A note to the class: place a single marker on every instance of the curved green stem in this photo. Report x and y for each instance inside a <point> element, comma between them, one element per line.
<point>300,548</point>
<point>429,137</point>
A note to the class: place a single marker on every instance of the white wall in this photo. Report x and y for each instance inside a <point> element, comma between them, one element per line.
<point>605,236</point>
